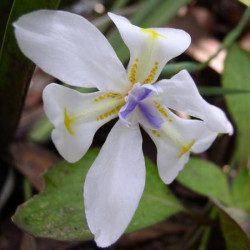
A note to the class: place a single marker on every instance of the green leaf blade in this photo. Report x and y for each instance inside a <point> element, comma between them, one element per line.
<point>246,2</point>
<point>241,189</point>
<point>236,76</point>
<point>15,71</point>
<point>206,179</point>
<point>51,214</point>
<point>58,211</point>
<point>235,236</point>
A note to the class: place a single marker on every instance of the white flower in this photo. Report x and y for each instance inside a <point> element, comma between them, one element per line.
<point>68,47</point>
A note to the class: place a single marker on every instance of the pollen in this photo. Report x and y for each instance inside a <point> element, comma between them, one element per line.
<point>155,133</point>
<point>113,111</point>
<point>185,149</point>
<point>152,33</point>
<point>162,110</point>
<point>133,71</point>
<point>152,73</point>
<point>105,96</point>
<point>68,121</point>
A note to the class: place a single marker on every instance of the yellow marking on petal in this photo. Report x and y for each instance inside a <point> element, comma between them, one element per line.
<point>107,114</point>
<point>68,121</point>
<point>105,96</point>
<point>152,33</point>
<point>170,120</point>
<point>132,72</point>
<point>161,110</point>
<point>185,149</point>
<point>155,133</point>
<point>152,73</point>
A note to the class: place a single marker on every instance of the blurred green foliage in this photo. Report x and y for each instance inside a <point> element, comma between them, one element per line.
<point>15,69</point>
<point>200,175</point>
<point>236,75</point>
<point>236,238</point>
<point>241,189</point>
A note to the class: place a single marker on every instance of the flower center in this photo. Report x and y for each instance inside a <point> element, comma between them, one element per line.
<point>140,107</point>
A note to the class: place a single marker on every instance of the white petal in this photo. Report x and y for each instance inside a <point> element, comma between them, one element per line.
<point>71,49</point>
<point>174,141</point>
<point>114,184</point>
<point>73,136</point>
<point>180,93</point>
<point>150,49</point>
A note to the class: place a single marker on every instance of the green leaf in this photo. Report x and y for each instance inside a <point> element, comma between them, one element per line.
<point>58,211</point>
<point>205,178</point>
<point>241,216</point>
<point>15,71</point>
<point>164,12</point>
<point>246,2</point>
<point>236,76</point>
<point>236,238</point>
<point>118,4</point>
<point>241,189</point>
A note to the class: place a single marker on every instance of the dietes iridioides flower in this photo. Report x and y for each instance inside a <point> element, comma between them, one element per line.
<point>68,47</point>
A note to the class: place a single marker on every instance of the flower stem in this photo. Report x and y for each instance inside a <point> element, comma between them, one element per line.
<point>27,189</point>
<point>207,231</point>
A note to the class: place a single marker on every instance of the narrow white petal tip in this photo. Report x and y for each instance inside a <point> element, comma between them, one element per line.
<point>189,39</point>
<point>168,180</point>
<point>102,240</point>
<point>110,14</point>
<point>114,17</point>
<point>169,175</point>
<point>222,128</point>
<point>230,129</point>
<point>220,124</point>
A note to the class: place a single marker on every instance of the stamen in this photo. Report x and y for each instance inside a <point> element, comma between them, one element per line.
<point>153,33</point>
<point>113,111</point>
<point>162,110</point>
<point>133,71</point>
<point>152,73</point>
<point>106,95</point>
<point>68,121</point>
<point>155,133</point>
<point>185,149</point>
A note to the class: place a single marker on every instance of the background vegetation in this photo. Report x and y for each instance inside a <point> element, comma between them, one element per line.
<point>207,207</point>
